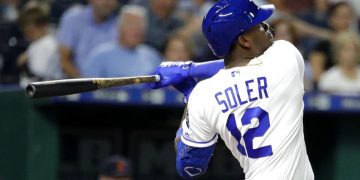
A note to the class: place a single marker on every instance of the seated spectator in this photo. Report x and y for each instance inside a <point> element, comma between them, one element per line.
<point>285,30</point>
<point>12,44</point>
<point>316,16</point>
<point>178,48</point>
<point>161,22</point>
<point>344,77</point>
<point>81,29</point>
<point>127,56</point>
<point>305,28</point>
<point>192,15</point>
<point>188,9</point>
<point>9,10</point>
<point>39,61</point>
<point>340,17</point>
<point>354,3</point>
<point>115,167</point>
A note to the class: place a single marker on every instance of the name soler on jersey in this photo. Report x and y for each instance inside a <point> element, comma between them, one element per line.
<point>240,94</point>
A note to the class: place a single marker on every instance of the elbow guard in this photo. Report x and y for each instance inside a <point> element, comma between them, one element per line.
<point>192,162</point>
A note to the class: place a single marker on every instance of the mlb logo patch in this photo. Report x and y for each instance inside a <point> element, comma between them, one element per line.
<point>235,73</point>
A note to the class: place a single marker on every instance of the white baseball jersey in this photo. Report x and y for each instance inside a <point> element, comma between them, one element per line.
<point>258,112</point>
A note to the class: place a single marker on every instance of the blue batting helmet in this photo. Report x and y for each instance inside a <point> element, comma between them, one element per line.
<point>227,19</point>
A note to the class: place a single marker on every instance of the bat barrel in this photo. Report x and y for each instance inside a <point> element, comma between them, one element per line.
<point>74,86</point>
<point>59,87</point>
<point>30,90</point>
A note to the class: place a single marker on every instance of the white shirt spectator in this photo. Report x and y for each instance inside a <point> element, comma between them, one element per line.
<point>42,57</point>
<point>334,81</point>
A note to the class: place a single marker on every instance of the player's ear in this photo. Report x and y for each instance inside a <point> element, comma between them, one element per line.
<point>243,41</point>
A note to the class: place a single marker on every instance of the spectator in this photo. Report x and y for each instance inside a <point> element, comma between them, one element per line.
<point>162,22</point>
<point>9,10</point>
<point>127,56</point>
<point>81,29</point>
<point>344,77</point>
<point>193,16</point>
<point>144,3</point>
<point>305,28</point>
<point>340,18</point>
<point>115,167</point>
<point>292,6</point>
<point>318,14</point>
<point>285,30</point>
<point>178,48</point>
<point>194,7</point>
<point>354,3</point>
<point>318,17</point>
<point>39,61</point>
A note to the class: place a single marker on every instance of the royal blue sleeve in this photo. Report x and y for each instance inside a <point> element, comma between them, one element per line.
<point>206,70</point>
<point>192,162</point>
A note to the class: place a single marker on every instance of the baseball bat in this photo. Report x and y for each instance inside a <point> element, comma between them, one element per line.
<point>73,86</point>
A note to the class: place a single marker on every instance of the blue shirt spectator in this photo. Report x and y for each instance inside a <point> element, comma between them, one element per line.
<point>81,29</point>
<point>113,60</point>
<point>127,56</point>
<point>162,22</point>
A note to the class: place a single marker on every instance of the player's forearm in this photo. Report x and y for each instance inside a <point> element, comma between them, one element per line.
<point>206,69</point>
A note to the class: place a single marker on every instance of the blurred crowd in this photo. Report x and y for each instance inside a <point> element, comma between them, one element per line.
<point>53,39</point>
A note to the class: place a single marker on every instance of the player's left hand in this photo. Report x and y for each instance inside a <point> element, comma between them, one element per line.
<point>172,73</point>
<point>177,75</point>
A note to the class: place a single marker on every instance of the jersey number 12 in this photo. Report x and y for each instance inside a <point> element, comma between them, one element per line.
<point>251,133</point>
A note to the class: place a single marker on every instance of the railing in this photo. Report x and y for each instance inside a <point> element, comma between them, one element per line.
<point>314,101</point>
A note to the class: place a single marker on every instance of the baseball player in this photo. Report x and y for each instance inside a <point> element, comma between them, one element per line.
<point>253,102</point>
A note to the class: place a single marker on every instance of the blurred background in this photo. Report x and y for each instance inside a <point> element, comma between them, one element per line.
<point>128,133</point>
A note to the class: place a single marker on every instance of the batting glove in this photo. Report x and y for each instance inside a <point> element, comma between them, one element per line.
<point>182,75</point>
<point>172,73</point>
<point>175,72</point>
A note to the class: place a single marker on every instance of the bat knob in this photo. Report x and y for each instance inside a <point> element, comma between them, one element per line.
<point>157,78</point>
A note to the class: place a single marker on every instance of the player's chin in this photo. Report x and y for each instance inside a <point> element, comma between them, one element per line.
<point>271,41</point>
<point>270,38</point>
